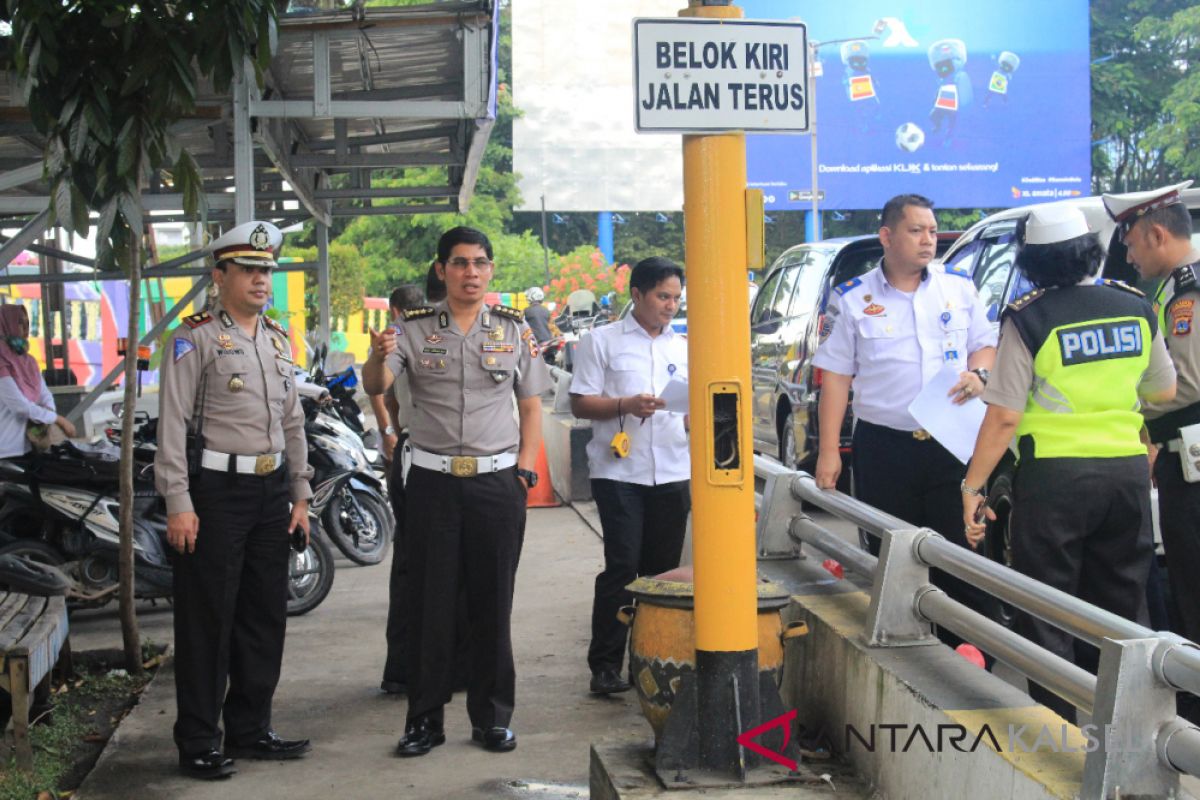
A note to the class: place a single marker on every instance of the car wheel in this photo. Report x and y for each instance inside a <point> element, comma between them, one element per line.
<point>787,441</point>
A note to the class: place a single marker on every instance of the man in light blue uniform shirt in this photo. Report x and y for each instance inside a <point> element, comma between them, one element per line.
<point>888,333</point>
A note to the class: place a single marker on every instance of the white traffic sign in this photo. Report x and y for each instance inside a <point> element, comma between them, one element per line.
<point>715,75</point>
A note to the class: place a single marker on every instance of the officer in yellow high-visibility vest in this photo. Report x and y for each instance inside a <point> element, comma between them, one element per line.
<point>1076,358</point>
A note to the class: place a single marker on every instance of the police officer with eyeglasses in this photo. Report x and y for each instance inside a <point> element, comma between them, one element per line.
<point>233,503</point>
<point>472,465</point>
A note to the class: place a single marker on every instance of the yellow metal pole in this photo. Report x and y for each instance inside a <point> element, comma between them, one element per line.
<point>714,187</point>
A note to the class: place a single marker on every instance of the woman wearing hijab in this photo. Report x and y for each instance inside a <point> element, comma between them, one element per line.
<point>24,398</point>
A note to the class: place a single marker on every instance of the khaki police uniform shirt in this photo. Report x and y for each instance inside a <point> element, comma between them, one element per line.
<point>462,384</point>
<point>1183,343</point>
<point>250,404</point>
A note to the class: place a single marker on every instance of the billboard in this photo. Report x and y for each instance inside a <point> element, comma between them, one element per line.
<point>972,107</point>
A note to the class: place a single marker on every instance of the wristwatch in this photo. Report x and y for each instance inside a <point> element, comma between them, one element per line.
<point>389,431</point>
<point>983,374</point>
<point>971,490</point>
<point>529,475</point>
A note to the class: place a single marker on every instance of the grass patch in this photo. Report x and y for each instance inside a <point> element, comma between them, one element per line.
<point>70,732</point>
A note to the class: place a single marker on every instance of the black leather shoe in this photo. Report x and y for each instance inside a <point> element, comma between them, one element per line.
<point>609,681</point>
<point>206,766</point>
<point>271,748</point>
<point>393,687</point>
<point>419,738</point>
<point>498,740</point>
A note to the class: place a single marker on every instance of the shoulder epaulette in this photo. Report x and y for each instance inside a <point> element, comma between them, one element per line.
<point>1025,299</point>
<point>1185,279</point>
<point>196,320</point>
<point>842,288</point>
<point>511,313</point>
<point>418,312</point>
<point>958,269</point>
<point>1125,286</point>
<point>273,325</point>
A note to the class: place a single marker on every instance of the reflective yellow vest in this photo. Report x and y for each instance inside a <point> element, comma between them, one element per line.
<point>1090,346</point>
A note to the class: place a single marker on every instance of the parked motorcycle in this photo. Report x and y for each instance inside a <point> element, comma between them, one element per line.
<point>347,495</point>
<point>63,510</point>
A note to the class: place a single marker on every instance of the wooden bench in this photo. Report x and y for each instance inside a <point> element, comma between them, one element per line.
<point>33,633</point>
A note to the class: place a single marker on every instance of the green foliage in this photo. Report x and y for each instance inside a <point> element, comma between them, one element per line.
<point>347,283</point>
<point>105,79</point>
<point>1133,75</point>
<point>56,736</point>
<point>1176,133</point>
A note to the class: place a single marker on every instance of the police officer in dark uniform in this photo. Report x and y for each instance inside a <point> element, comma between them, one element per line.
<point>472,465</point>
<point>227,376</point>
<point>1075,358</point>
<point>1156,229</point>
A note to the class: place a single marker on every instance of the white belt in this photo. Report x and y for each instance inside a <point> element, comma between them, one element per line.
<point>462,466</point>
<point>246,465</point>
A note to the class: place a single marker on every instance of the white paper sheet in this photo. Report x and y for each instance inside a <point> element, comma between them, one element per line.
<point>675,394</point>
<point>954,426</point>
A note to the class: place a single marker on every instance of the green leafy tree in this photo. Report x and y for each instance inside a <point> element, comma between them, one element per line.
<point>103,81</point>
<point>1133,72</point>
<point>1175,135</point>
<point>347,280</point>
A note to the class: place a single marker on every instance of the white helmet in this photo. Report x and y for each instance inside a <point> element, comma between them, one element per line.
<point>534,294</point>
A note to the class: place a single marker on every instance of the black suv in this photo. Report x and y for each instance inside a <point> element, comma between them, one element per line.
<point>784,324</point>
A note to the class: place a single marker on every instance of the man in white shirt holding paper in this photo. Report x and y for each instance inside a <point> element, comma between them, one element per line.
<point>889,333</point>
<point>638,455</point>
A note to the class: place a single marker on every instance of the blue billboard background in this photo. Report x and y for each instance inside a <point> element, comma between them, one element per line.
<point>989,137</point>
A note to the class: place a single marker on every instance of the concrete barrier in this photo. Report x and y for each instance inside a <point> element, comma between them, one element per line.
<point>566,450</point>
<point>916,721</point>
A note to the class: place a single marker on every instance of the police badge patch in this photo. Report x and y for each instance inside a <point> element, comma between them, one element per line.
<point>182,348</point>
<point>826,328</point>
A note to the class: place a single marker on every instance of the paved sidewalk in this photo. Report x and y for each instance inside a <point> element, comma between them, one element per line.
<point>329,692</point>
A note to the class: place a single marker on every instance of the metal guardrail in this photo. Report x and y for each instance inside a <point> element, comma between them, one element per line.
<point>1131,700</point>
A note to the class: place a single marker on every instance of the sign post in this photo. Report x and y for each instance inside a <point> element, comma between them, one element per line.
<point>712,77</point>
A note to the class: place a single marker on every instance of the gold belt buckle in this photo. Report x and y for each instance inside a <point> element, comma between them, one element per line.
<point>464,466</point>
<point>922,435</point>
<point>264,465</point>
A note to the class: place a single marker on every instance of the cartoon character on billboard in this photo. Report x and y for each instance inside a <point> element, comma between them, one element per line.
<point>1006,64</point>
<point>948,58</point>
<point>858,81</point>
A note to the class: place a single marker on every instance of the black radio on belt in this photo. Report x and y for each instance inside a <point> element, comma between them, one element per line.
<point>193,440</point>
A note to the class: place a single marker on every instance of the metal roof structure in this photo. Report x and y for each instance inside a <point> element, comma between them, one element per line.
<point>348,92</point>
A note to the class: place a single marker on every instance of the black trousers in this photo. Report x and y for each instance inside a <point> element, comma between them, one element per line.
<point>643,529</point>
<point>1179,521</point>
<point>462,535</point>
<point>919,482</point>
<point>231,609</point>
<point>395,666</point>
<point>1082,525</point>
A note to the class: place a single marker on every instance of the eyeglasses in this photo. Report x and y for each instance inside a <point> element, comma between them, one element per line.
<point>478,263</point>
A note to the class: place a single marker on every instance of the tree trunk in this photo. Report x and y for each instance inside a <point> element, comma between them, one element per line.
<point>129,626</point>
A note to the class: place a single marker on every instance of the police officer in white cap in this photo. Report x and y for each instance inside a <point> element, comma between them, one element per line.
<point>232,463</point>
<point>1075,358</point>
<point>1156,229</point>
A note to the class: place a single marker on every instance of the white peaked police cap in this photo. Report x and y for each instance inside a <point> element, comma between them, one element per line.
<point>252,244</point>
<point>1126,209</point>
<point>1055,223</point>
